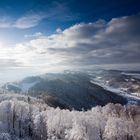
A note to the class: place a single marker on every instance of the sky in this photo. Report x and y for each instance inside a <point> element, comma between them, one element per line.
<point>39,36</point>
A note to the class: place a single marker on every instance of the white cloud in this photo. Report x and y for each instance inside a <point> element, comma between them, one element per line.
<point>37,34</point>
<point>28,21</point>
<point>82,45</point>
<point>24,22</point>
<point>58,11</point>
<point>58,30</point>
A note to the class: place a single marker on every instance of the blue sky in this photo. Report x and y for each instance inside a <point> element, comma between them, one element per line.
<point>38,36</point>
<point>64,13</point>
<point>53,14</point>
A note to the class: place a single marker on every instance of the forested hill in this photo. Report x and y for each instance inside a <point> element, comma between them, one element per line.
<point>66,90</point>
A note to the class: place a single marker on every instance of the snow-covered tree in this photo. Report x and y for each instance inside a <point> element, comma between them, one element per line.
<point>22,118</point>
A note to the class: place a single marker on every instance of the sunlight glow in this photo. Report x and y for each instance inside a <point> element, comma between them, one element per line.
<point>1,44</point>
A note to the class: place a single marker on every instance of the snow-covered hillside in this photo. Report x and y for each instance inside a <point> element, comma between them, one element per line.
<point>126,83</point>
<point>27,118</point>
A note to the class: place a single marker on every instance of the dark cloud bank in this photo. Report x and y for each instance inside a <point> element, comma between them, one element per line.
<point>113,42</point>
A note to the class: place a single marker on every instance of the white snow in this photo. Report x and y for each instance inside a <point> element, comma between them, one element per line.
<point>136,94</point>
<point>135,75</point>
<point>116,90</point>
